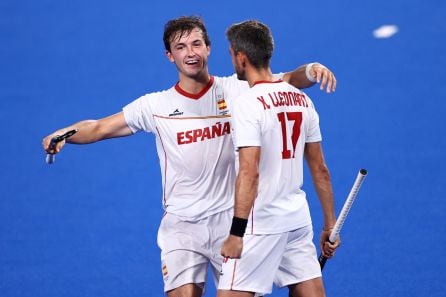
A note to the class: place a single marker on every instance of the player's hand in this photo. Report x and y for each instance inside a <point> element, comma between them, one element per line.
<point>49,147</point>
<point>327,248</point>
<point>232,247</point>
<point>324,76</point>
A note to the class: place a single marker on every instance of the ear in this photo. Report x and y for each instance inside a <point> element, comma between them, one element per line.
<point>170,56</point>
<point>242,58</point>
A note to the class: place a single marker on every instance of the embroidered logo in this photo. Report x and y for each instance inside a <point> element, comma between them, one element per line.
<point>176,112</point>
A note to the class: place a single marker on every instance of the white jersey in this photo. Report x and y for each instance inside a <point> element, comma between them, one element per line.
<point>280,119</point>
<point>194,144</point>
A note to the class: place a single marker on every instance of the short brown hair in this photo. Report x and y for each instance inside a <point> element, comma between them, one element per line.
<point>254,39</point>
<point>183,26</point>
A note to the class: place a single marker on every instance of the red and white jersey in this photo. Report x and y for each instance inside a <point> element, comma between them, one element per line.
<point>280,119</point>
<point>194,144</point>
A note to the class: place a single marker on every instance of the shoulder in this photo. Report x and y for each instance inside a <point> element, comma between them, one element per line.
<point>155,98</point>
<point>159,95</point>
<point>231,80</point>
<point>225,78</point>
<point>308,100</point>
<point>247,99</point>
<point>148,104</point>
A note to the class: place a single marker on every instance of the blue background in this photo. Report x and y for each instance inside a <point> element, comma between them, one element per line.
<point>86,226</point>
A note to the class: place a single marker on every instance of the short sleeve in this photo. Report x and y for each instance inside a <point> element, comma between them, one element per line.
<point>314,131</point>
<point>233,87</point>
<point>138,115</point>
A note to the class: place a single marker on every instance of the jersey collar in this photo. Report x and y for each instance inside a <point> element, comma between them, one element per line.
<point>197,95</point>
<point>267,82</point>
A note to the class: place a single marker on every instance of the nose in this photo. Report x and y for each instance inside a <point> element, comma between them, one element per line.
<point>190,51</point>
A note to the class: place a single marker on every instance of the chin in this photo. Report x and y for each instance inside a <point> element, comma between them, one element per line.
<point>194,74</point>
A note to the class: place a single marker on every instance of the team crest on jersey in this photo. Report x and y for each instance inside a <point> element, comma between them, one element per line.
<point>222,106</point>
<point>165,273</point>
<point>220,100</point>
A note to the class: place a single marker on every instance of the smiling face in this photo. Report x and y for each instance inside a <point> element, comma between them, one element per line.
<point>190,54</point>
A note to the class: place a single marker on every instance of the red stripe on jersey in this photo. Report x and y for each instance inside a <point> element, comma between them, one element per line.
<point>233,273</point>
<point>252,218</point>
<point>199,94</point>
<point>165,167</point>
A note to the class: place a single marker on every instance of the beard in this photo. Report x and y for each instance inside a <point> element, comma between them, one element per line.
<point>240,74</point>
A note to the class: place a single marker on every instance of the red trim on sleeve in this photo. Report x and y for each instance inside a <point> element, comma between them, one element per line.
<point>252,217</point>
<point>165,168</point>
<point>199,94</point>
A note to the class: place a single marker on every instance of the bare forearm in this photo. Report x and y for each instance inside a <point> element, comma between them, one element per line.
<point>321,180</point>
<point>95,130</point>
<point>247,181</point>
<point>298,78</point>
<point>322,184</point>
<point>87,132</point>
<point>324,190</point>
<point>245,193</point>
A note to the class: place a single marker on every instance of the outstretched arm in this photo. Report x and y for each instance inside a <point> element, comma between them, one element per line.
<point>322,183</point>
<point>90,131</point>
<point>307,75</point>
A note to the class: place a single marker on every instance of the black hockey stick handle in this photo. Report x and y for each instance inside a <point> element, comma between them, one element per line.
<point>322,261</point>
<point>51,158</point>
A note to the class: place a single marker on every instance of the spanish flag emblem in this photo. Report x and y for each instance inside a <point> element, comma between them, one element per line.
<point>164,269</point>
<point>221,104</point>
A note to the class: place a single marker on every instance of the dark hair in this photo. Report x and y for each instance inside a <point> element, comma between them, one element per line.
<point>183,26</point>
<point>254,39</point>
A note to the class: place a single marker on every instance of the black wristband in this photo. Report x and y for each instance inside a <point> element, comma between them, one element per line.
<point>238,226</point>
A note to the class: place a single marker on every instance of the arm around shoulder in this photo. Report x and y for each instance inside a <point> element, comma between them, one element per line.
<point>307,75</point>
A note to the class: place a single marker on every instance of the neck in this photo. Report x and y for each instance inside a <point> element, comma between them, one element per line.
<point>253,75</point>
<point>194,85</point>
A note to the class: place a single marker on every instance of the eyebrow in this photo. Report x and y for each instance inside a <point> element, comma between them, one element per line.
<point>183,43</point>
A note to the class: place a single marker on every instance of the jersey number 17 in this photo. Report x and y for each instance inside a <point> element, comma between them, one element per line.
<point>283,118</point>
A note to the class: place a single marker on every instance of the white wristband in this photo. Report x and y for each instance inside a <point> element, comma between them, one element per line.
<point>307,73</point>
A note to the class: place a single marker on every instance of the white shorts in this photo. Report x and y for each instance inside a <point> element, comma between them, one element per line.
<point>283,259</point>
<point>188,247</point>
